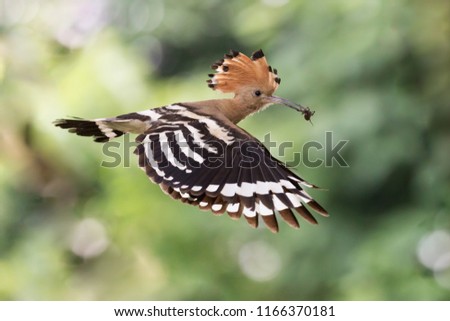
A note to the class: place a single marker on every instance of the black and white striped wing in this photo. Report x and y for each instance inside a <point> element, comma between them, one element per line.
<point>216,167</point>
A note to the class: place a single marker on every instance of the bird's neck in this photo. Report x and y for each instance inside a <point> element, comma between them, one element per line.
<point>234,109</point>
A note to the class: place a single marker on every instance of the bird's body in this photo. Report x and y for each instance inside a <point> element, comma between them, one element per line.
<point>197,153</point>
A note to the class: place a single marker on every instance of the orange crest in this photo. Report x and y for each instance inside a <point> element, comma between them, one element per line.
<point>236,73</point>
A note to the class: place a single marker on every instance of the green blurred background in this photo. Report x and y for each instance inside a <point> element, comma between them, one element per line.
<point>377,74</point>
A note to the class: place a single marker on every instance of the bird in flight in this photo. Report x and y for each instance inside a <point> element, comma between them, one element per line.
<point>197,154</point>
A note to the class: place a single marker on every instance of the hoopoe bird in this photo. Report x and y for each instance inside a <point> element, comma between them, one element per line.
<point>197,154</point>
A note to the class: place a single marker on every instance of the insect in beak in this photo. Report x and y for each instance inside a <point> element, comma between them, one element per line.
<point>307,113</point>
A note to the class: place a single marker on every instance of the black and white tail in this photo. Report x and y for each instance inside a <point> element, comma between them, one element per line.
<point>98,129</point>
<point>105,129</point>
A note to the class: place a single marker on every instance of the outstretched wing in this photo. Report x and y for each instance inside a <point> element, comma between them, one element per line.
<point>218,167</point>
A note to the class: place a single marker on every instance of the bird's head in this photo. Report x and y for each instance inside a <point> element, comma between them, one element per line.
<point>252,80</point>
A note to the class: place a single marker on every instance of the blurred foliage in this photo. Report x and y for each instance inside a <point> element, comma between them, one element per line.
<point>377,74</point>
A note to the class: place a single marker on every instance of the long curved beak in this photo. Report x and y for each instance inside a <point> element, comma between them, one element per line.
<point>307,113</point>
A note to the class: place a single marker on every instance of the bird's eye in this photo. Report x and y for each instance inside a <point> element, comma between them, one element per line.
<point>257,93</point>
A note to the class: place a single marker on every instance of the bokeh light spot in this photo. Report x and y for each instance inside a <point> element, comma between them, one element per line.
<point>259,261</point>
<point>89,238</point>
<point>432,247</point>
